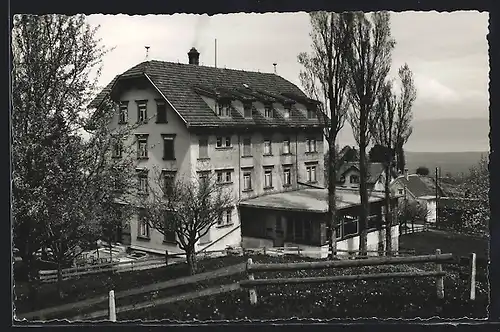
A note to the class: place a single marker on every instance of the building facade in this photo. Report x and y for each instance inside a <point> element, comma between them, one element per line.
<point>257,133</point>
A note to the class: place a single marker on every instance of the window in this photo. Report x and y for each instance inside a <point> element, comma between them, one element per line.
<point>142,183</point>
<point>247,147</point>
<point>225,218</point>
<point>354,179</point>
<point>268,111</point>
<point>161,112</point>
<point>400,191</point>
<point>286,146</point>
<point>311,173</point>
<point>224,176</point>
<point>143,225</point>
<point>338,228</point>
<point>203,176</point>
<point>287,176</point>
<point>311,113</point>
<point>117,148</point>
<point>223,142</point>
<point>267,147</point>
<point>123,112</point>
<point>224,109</point>
<point>247,181</point>
<point>168,147</point>
<point>350,226</point>
<point>286,112</point>
<point>142,146</point>
<point>247,110</point>
<point>307,230</point>
<point>311,145</point>
<point>268,178</point>
<point>168,182</point>
<point>142,111</point>
<point>203,148</point>
<point>169,231</point>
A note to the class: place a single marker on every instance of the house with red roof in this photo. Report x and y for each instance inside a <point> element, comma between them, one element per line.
<point>259,133</point>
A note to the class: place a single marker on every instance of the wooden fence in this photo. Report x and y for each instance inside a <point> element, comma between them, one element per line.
<point>438,274</point>
<point>49,276</point>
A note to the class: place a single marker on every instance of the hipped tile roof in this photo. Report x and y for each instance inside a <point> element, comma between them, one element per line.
<point>183,84</point>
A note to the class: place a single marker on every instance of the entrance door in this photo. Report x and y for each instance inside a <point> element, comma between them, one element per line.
<point>279,234</point>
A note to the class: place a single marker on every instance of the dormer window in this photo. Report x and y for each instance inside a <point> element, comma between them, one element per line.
<point>224,109</point>
<point>311,113</point>
<point>247,110</point>
<point>286,112</point>
<point>268,111</point>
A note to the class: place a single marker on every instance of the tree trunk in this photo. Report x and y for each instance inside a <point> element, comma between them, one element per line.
<point>191,260</point>
<point>332,204</point>
<point>32,281</point>
<point>363,189</point>
<point>388,212</point>
<point>59,280</point>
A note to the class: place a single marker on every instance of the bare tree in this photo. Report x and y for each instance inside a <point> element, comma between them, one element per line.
<point>325,77</point>
<point>369,63</point>
<point>404,113</point>
<point>188,207</point>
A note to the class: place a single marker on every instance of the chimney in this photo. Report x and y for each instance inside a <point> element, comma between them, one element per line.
<point>194,56</point>
<point>406,174</point>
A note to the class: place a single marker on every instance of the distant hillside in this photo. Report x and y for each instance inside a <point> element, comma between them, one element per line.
<point>452,162</point>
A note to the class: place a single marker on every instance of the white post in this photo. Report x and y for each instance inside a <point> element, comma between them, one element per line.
<point>112,308</point>
<point>473,276</point>
<point>440,279</point>
<point>252,291</point>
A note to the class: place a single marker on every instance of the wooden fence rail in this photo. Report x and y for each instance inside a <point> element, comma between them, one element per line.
<point>51,275</point>
<point>251,284</point>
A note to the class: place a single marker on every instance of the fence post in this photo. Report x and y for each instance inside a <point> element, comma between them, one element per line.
<point>166,257</point>
<point>473,276</point>
<point>252,291</point>
<point>264,250</point>
<point>439,279</point>
<point>298,251</point>
<point>112,308</point>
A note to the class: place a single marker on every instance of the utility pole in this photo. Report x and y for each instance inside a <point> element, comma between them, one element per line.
<point>437,192</point>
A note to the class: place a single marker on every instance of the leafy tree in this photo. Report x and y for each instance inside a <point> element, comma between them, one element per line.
<point>369,63</point>
<point>325,77</point>
<point>422,170</point>
<point>404,115</point>
<point>189,207</point>
<point>379,153</point>
<point>61,180</point>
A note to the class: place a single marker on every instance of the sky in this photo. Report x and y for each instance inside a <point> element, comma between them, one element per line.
<point>447,52</point>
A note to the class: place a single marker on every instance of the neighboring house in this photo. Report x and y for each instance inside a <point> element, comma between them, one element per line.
<point>299,219</point>
<point>419,188</point>
<point>257,131</point>
<point>348,176</point>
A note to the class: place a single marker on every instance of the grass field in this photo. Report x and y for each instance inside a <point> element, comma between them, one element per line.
<point>406,298</point>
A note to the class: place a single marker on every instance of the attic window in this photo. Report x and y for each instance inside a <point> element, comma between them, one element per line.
<point>224,109</point>
<point>287,111</point>
<point>268,111</point>
<point>247,110</point>
<point>311,113</point>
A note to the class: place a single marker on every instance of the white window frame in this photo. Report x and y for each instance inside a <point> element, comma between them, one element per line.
<point>268,178</point>
<point>143,184</point>
<point>286,112</point>
<point>142,112</point>
<point>286,146</point>
<point>268,112</point>
<point>142,145</point>
<point>224,109</point>
<point>268,150</point>
<point>287,176</point>
<point>247,180</point>
<point>311,145</point>
<point>123,113</point>
<point>311,171</point>
<point>225,219</point>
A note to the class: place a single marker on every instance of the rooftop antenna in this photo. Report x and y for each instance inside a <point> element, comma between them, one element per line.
<point>147,51</point>
<point>215,52</point>
<point>274,64</point>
